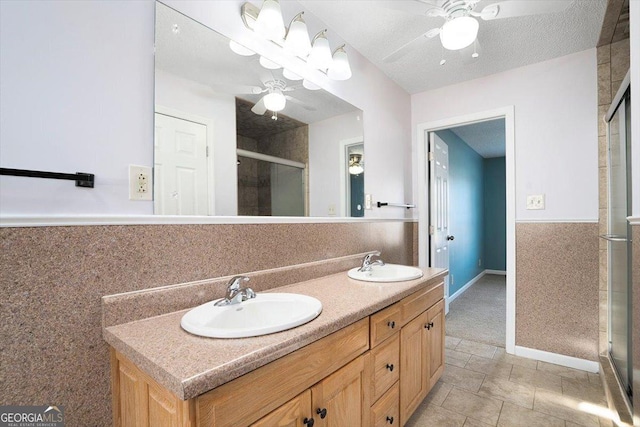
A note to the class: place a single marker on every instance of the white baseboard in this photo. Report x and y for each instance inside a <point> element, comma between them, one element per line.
<point>465,287</point>
<point>498,272</point>
<point>558,359</point>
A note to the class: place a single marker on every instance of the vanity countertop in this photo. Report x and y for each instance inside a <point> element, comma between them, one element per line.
<point>190,365</point>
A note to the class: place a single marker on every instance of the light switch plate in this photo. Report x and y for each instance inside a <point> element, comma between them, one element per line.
<point>535,202</point>
<point>368,201</point>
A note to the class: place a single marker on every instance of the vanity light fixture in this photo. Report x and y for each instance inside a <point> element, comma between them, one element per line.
<point>340,68</point>
<point>269,64</point>
<point>355,164</point>
<point>269,22</point>
<point>458,33</point>
<point>309,85</point>
<point>297,39</point>
<point>291,75</point>
<point>239,49</point>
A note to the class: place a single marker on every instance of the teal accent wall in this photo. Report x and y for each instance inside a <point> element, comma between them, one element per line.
<point>466,211</point>
<point>495,214</point>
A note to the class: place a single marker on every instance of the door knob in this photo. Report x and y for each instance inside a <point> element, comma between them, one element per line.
<point>450,237</point>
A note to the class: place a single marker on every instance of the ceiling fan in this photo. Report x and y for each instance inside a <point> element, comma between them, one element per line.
<point>274,99</point>
<point>460,27</point>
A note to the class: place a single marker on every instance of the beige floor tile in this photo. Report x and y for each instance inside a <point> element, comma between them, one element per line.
<point>492,367</point>
<point>503,356</point>
<point>480,408</point>
<point>517,416</point>
<point>540,379</point>
<point>472,422</point>
<point>455,362</point>
<point>462,378</point>
<point>479,349</point>
<point>451,342</point>
<point>454,354</point>
<point>563,371</point>
<point>563,406</point>
<point>503,389</point>
<point>438,394</point>
<point>432,415</point>
<point>583,390</point>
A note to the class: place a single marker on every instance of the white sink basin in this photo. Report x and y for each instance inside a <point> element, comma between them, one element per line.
<point>265,314</point>
<point>386,273</point>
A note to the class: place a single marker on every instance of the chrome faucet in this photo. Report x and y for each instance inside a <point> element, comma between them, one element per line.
<point>235,293</point>
<point>367,261</point>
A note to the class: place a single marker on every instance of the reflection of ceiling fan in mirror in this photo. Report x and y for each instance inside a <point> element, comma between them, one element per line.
<point>275,99</point>
<point>460,27</point>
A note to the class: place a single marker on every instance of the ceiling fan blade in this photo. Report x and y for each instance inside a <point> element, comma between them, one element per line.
<point>513,8</point>
<point>259,108</point>
<point>300,103</point>
<point>411,45</point>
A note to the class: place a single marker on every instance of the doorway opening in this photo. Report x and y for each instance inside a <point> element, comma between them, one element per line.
<point>467,221</point>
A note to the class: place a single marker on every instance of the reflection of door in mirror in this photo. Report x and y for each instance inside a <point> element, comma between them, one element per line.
<point>354,156</point>
<point>180,162</point>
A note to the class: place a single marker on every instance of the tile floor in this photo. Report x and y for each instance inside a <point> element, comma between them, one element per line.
<point>483,386</point>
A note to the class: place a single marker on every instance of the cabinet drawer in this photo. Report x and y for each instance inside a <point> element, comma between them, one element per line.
<point>386,363</point>
<point>386,412</point>
<point>385,323</point>
<point>418,302</point>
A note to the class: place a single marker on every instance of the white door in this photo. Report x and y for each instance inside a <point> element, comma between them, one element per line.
<point>439,207</point>
<point>180,161</point>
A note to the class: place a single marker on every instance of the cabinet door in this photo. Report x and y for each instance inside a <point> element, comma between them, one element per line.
<point>414,365</point>
<point>294,413</point>
<point>436,336</point>
<point>341,399</point>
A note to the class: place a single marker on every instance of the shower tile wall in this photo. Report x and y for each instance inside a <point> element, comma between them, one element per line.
<point>53,279</point>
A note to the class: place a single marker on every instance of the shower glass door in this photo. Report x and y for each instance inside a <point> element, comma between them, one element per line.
<point>619,131</point>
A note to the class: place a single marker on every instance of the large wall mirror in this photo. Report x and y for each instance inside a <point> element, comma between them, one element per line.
<point>220,149</point>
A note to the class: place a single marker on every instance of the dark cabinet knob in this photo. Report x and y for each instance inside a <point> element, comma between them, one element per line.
<point>322,412</point>
<point>429,325</point>
<point>450,237</point>
<point>390,367</point>
<point>308,422</point>
<point>391,324</point>
<point>390,420</point>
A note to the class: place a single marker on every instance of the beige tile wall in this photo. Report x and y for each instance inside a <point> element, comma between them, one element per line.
<point>53,278</point>
<point>557,288</point>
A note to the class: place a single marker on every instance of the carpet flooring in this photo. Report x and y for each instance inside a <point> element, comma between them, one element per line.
<point>479,314</point>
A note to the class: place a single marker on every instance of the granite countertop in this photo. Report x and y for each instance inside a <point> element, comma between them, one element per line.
<point>190,365</point>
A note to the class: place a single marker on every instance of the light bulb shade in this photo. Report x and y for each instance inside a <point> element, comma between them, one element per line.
<point>239,49</point>
<point>297,41</point>
<point>320,56</point>
<point>340,68</point>
<point>269,64</point>
<point>355,164</point>
<point>269,22</point>
<point>275,101</point>
<point>309,85</point>
<point>291,75</point>
<point>459,33</point>
<point>356,170</point>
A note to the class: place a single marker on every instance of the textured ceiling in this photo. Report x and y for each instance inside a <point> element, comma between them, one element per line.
<point>485,138</point>
<point>376,30</point>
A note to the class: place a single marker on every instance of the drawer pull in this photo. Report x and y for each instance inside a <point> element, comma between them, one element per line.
<point>322,412</point>
<point>390,367</point>
<point>429,325</point>
<point>390,420</point>
<point>391,324</point>
<point>308,422</point>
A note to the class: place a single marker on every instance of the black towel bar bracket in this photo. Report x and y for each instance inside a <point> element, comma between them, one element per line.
<point>396,205</point>
<point>82,179</point>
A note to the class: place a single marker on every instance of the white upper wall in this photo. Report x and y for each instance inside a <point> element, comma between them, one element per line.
<point>77,95</point>
<point>556,135</point>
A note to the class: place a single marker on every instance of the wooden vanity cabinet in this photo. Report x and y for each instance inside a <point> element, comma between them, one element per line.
<point>374,372</point>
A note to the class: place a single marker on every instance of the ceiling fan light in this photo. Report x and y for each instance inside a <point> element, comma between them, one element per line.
<point>270,23</point>
<point>459,33</point>
<point>291,75</point>
<point>297,40</point>
<point>239,49</point>
<point>320,56</point>
<point>269,64</point>
<point>310,85</point>
<point>275,101</point>
<point>340,68</point>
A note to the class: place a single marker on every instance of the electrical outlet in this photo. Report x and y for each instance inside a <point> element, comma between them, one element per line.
<point>451,279</point>
<point>140,183</point>
<point>479,262</point>
<point>332,210</point>
<point>535,202</point>
<point>368,201</point>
